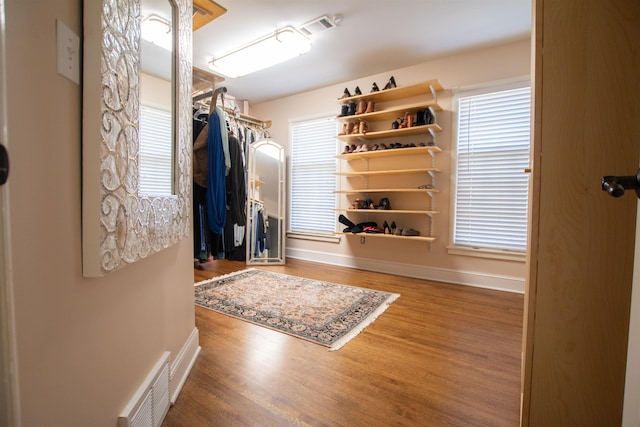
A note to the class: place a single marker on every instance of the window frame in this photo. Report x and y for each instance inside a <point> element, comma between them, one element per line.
<point>329,237</point>
<point>482,252</point>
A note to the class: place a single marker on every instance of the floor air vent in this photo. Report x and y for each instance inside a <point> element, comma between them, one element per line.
<point>317,25</point>
<point>151,402</point>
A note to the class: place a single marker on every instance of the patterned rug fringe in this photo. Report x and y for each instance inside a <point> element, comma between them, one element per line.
<point>224,276</point>
<point>365,322</point>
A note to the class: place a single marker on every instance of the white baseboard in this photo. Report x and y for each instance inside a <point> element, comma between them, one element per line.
<point>458,277</point>
<point>183,363</point>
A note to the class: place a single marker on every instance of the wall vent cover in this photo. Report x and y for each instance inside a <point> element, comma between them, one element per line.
<point>317,25</point>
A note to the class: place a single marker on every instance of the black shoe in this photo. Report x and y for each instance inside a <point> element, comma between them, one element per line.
<point>391,84</point>
<point>352,109</point>
<point>344,110</point>
<point>374,88</point>
<point>384,204</point>
<point>346,93</point>
<point>344,220</point>
<point>386,228</point>
<point>393,227</point>
<point>358,91</point>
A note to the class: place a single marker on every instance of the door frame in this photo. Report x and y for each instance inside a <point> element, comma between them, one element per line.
<point>9,395</point>
<point>631,406</point>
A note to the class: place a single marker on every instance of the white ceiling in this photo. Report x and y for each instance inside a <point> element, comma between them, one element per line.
<point>374,36</point>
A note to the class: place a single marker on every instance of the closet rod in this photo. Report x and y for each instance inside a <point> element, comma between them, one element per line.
<point>249,120</point>
<point>202,96</point>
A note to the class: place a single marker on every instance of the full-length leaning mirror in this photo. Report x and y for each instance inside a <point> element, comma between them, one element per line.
<point>265,203</point>
<point>136,138</point>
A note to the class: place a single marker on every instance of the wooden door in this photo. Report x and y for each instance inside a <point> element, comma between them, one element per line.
<point>586,125</point>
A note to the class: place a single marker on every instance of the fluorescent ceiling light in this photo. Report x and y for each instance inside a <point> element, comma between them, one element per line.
<point>157,30</point>
<point>284,44</point>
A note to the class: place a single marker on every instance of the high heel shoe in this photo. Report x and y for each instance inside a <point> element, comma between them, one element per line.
<point>374,87</point>
<point>391,84</point>
<point>386,228</point>
<point>358,91</point>
<point>345,94</point>
<point>393,227</point>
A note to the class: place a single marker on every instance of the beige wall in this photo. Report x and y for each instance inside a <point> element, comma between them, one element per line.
<point>505,62</point>
<point>84,345</point>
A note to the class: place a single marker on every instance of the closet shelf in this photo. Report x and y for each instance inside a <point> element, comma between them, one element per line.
<point>388,172</point>
<point>390,236</point>
<point>387,190</point>
<point>392,113</point>
<point>409,151</point>
<point>389,211</point>
<point>397,93</point>
<point>393,133</point>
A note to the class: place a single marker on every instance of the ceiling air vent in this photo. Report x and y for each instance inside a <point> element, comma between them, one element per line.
<point>317,25</point>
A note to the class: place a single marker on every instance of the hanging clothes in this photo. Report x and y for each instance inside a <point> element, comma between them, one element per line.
<point>216,188</point>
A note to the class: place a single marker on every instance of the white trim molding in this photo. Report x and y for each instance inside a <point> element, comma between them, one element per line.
<point>182,364</point>
<point>458,277</point>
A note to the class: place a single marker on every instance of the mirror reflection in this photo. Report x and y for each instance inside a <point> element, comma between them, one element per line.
<point>265,203</point>
<point>157,86</point>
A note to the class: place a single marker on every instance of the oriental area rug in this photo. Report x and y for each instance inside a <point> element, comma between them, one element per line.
<point>324,313</point>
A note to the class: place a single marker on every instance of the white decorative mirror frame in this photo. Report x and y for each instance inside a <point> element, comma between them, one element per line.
<point>119,226</point>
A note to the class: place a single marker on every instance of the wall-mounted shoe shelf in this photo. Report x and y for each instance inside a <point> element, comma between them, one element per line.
<point>401,92</point>
<point>405,175</point>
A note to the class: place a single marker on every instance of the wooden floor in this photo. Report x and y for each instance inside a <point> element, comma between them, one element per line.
<point>441,355</point>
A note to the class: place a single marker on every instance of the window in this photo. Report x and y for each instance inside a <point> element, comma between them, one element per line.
<point>313,181</point>
<point>491,187</point>
<point>156,149</point>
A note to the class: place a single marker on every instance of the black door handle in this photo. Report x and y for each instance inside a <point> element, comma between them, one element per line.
<point>615,185</point>
<point>4,165</point>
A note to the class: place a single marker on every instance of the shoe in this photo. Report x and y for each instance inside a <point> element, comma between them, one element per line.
<point>410,232</point>
<point>391,84</point>
<point>358,91</point>
<point>370,107</point>
<point>347,149</point>
<point>346,94</point>
<point>362,106</point>
<point>349,130</point>
<point>410,120</point>
<point>393,227</point>
<point>371,229</point>
<point>384,204</point>
<point>344,110</point>
<point>396,123</point>
<point>398,232</point>
<point>364,127</point>
<point>350,225</point>
<point>386,228</point>
<point>374,88</point>
<point>429,117</point>
<point>344,129</point>
<point>420,118</point>
<point>352,109</point>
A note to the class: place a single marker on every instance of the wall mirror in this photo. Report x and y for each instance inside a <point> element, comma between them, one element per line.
<point>121,222</point>
<point>265,203</point>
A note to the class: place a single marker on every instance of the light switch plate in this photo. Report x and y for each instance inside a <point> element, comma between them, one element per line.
<point>68,44</point>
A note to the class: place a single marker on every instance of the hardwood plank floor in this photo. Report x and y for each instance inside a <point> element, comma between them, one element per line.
<point>441,355</point>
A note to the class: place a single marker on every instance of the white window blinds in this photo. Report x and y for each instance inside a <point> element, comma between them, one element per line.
<point>155,163</point>
<point>313,180</point>
<point>491,190</point>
